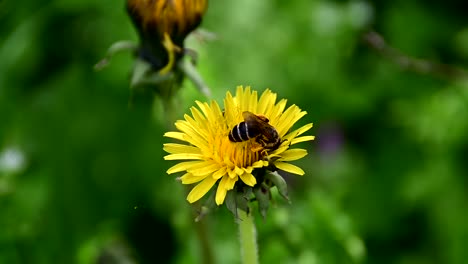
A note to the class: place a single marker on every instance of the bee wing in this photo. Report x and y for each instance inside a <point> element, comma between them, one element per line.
<point>255,122</point>
<point>249,116</point>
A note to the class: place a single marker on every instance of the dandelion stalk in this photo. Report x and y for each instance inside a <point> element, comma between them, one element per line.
<point>247,237</point>
<point>205,245</point>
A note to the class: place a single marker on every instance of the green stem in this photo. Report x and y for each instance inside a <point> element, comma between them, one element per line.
<point>203,235</point>
<point>247,237</point>
<point>205,245</point>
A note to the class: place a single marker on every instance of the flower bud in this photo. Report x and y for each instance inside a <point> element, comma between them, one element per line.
<point>163,25</point>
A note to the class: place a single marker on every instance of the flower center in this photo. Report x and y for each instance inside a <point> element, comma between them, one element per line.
<point>233,154</point>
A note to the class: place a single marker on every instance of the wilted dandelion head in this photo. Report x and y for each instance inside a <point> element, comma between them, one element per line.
<point>177,18</point>
<point>162,26</point>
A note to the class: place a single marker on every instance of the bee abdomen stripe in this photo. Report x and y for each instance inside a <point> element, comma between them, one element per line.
<point>243,131</point>
<point>231,137</point>
<point>234,134</point>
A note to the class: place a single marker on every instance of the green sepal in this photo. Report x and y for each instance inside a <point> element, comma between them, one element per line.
<point>230,202</point>
<point>117,47</point>
<point>263,196</point>
<point>143,74</point>
<point>279,182</point>
<point>189,70</point>
<point>206,208</point>
<point>238,199</point>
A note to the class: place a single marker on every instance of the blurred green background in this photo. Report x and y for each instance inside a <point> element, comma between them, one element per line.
<point>82,176</point>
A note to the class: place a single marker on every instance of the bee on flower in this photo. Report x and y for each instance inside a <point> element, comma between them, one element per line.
<point>239,149</point>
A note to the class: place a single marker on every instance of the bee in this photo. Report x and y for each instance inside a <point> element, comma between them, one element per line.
<point>256,127</point>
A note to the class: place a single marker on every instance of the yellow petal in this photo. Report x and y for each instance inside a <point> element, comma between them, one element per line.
<point>302,139</point>
<point>258,164</point>
<point>231,173</point>
<point>180,148</point>
<point>293,154</point>
<point>242,95</point>
<point>226,184</point>
<point>253,102</point>
<point>304,129</point>
<point>289,118</point>
<point>238,171</point>
<point>274,155</point>
<point>206,110</point>
<point>206,167</point>
<point>188,178</point>
<point>230,182</point>
<point>182,166</point>
<point>289,168</point>
<point>266,102</point>
<point>248,169</point>
<point>201,189</point>
<point>289,137</point>
<point>198,116</point>
<point>248,179</point>
<point>230,110</point>
<point>217,113</point>
<point>193,136</point>
<point>202,107</point>
<point>279,150</point>
<point>175,135</point>
<point>219,173</point>
<point>184,156</point>
<point>275,112</point>
<point>221,191</point>
<point>200,127</point>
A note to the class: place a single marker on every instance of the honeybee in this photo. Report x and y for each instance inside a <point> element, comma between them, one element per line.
<point>256,127</point>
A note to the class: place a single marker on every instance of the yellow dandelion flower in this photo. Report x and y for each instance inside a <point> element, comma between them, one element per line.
<point>209,157</point>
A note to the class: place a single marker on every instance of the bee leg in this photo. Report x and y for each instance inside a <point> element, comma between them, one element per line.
<point>256,147</point>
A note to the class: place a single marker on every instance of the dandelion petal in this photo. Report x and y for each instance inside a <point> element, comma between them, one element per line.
<point>184,156</point>
<point>219,173</point>
<point>248,179</point>
<point>289,168</point>
<point>302,139</point>
<point>204,168</point>
<point>293,154</point>
<point>180,148</point>
<point>175,135</point>
<point>201,189</point>
<point>182,166</point>
<point>189,178</point>
<point>221,191</point>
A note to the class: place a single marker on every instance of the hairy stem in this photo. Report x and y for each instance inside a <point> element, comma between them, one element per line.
<point>247,237</point>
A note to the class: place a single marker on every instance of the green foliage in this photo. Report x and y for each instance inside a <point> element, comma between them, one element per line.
<point>82,176</point>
